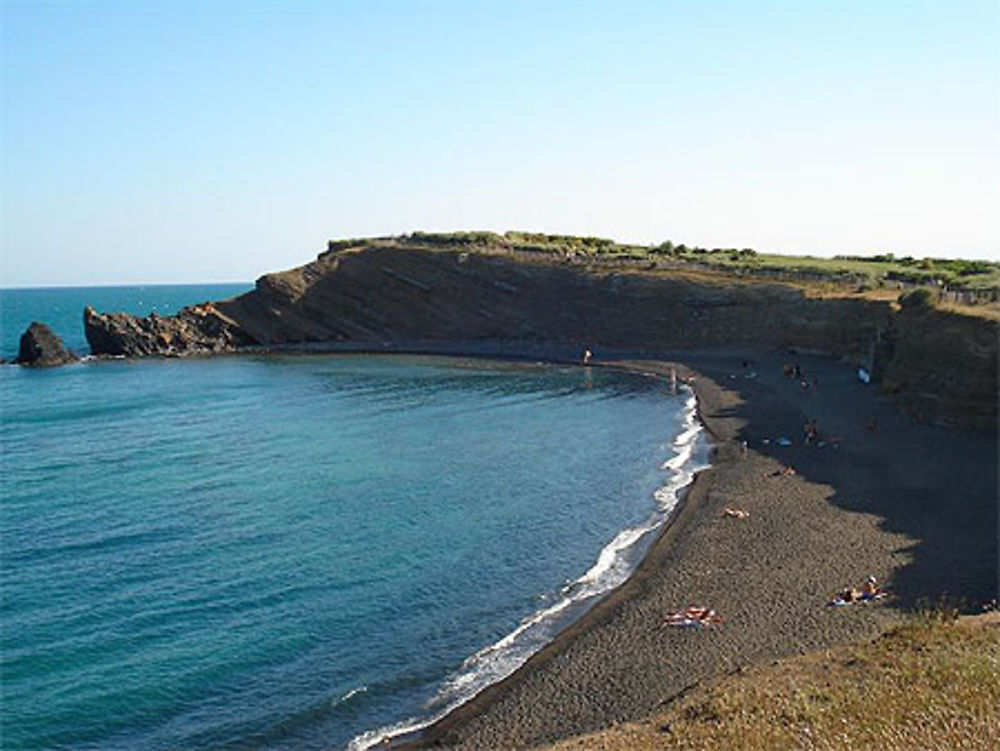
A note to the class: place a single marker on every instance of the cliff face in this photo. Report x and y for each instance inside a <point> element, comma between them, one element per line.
<point>944,364</point>
<point>392,294</point>
<point>385,292</point>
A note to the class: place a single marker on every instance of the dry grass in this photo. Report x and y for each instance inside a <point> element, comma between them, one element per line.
<point>990,311</point>
<point>931,684</point>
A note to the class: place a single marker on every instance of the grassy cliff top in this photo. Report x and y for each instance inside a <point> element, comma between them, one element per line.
<point>980,280</point>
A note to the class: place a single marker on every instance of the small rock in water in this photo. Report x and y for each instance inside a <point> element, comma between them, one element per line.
<point>41,347</point>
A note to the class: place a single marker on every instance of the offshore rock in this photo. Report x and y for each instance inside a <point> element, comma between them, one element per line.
<point>198,329</point>
<point>41,347</point>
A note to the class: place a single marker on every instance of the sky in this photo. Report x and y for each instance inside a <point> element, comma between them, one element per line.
<point>204,140</point>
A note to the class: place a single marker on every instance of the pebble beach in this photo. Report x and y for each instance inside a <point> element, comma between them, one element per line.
<point>878,492</point>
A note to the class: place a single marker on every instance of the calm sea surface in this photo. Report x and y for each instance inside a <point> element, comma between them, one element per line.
<point>302,552</point>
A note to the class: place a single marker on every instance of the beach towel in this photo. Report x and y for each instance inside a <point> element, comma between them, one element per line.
<point>862,598</point>
<point>693,617</point>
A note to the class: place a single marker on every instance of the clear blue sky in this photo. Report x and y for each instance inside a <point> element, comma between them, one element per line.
<point>207,141</point>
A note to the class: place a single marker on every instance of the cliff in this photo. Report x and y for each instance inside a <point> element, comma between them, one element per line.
<point>397,290</point>
<point>942,363</point>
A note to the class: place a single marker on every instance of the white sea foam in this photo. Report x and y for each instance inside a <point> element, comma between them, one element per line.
<point>680,458</point>
<point>352,693</point>
<point>372,738</point>
<point>685,438</point>
<point>613,566</point>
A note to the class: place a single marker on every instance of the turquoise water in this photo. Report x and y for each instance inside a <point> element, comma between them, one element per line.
<point>303,552</point>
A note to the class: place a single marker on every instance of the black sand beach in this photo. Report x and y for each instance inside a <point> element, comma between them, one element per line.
<point>912,503</point>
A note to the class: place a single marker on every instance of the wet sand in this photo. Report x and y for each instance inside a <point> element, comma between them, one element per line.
<point>912,503</point>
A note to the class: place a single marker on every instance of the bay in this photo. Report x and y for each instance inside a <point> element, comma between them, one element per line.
<point>291,552</point>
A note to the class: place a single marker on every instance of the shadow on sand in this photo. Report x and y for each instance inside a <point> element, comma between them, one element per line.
<point>937,485</point>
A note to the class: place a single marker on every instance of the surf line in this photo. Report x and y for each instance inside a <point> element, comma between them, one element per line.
<point>614,564</point>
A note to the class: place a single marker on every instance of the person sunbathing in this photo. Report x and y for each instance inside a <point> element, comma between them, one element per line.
<point>737,513</point>
<point>869,589</point>
<point>849,594</point>
<point>693,615</point>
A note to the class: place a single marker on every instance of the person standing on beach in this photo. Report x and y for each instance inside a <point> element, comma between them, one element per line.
<point>811,430</point>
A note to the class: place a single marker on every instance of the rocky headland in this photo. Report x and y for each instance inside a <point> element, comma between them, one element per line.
<point>479,287</point>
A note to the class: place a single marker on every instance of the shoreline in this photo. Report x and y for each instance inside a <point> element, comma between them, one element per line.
<point>615,664</point>
<point>402,737</point>
<point>689,497</point>
<point>914,504</point>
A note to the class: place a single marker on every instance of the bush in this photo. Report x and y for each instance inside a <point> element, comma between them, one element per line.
<point>456,238</point>
<point>335,245</point>
<point>970,268</point>
<point>916,276</point>
<point>917,299</point>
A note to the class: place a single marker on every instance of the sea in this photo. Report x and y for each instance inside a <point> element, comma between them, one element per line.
<point>302,552</point>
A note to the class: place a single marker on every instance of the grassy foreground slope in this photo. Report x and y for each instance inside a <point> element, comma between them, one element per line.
<point>931,684</point>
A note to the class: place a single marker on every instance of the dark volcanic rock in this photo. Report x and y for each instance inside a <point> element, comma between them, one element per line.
<point>194,330</point>
<point>41,347</point>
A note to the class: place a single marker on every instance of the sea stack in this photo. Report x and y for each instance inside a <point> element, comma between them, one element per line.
<point>41,347</point>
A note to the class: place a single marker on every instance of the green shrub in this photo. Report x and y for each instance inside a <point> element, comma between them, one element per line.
<point>448,239</point>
